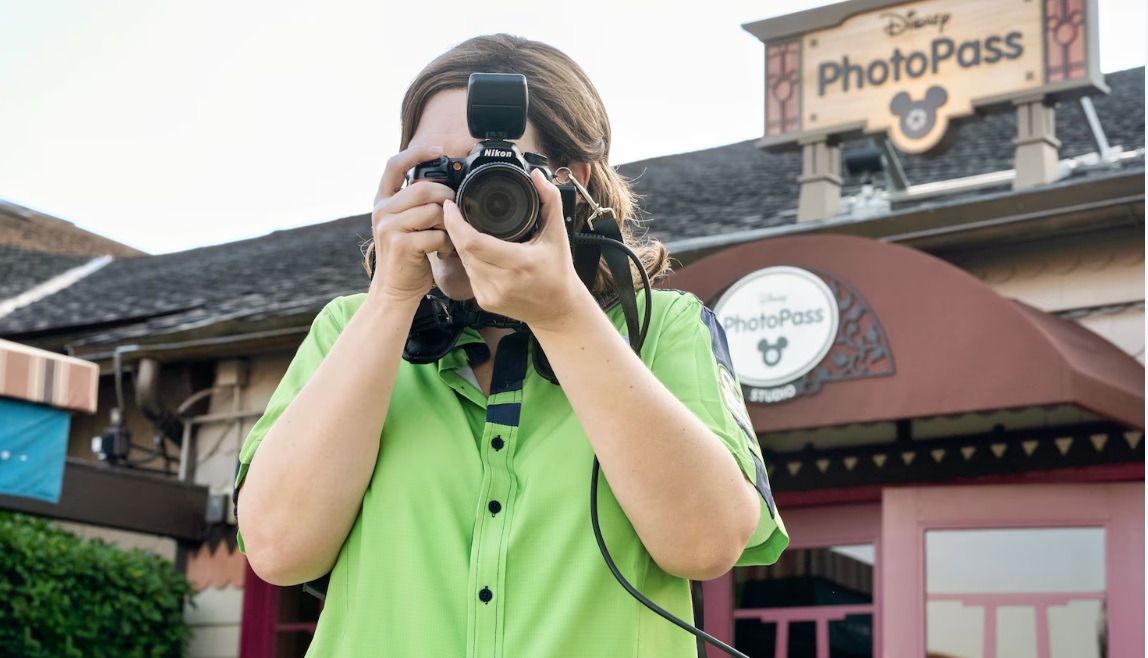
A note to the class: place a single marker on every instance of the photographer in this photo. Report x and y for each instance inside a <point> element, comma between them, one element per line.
<point>449,499</point>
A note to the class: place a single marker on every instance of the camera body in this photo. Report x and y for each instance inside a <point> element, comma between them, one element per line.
<point>492,184</point>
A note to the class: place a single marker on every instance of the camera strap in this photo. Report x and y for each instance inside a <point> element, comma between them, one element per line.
<point>586,256</point>
<point>619,267</point>
<point>440,320</point>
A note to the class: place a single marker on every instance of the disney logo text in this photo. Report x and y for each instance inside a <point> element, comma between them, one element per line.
<point>899,24</point>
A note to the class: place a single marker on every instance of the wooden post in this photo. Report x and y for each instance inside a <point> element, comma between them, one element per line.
<point>1037,148</point>
<point>820,180</point>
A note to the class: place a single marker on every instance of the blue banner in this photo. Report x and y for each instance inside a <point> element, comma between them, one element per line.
<point>33,446</point>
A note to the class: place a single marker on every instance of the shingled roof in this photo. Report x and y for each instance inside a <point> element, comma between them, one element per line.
<point>282,274</point>
<point>292,273</point>
<point>35,248</point>
<point>23,269</point>
<point>34,231</point>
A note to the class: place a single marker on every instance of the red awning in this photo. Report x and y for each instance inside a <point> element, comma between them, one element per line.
<point>957,345</point>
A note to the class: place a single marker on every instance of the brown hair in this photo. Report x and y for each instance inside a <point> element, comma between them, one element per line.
<point>568,116</point>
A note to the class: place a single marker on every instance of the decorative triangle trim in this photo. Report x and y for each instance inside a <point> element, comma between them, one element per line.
<point>998,449</point>
<point>1063,444</point>
<point>1099,441</point>
<point>908,457</point>
<point>850,462</point>
<point>968,452</point>
<point>793,467</point>
<point>938,455</point>
<point>822,465</point>
<point>1029,447</point>
<point>1133,438</point>
<point>879,460</point>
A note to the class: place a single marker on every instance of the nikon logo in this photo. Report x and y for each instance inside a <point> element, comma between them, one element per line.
<point>497,153</point>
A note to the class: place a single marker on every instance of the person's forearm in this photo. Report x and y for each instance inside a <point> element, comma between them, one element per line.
<point>678,484</point>
<point>306,481</point>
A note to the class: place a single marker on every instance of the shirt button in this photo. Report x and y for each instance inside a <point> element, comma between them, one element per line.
<point>485,595</point>
<point>497,443</point>
<point>495,507</point>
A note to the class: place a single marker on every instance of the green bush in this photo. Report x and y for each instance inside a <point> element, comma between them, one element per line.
<point>63,597</point>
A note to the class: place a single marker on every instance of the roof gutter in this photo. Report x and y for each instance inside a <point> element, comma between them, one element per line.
<point>166,351</point>
<point>1013,219</point>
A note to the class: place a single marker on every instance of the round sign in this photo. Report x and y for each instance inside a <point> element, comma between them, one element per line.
<point>779,323</point>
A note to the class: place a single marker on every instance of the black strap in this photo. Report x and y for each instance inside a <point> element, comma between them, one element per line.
<point>619,266</point>
<point>439,322</point>
<point>699,613</point>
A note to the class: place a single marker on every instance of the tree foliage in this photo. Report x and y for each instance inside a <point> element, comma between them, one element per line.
<point>64,597</point>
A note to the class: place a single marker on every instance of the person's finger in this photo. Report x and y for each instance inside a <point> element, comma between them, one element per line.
<point>431,241</point>
<point>397,167</point>
<point>422,194</point>
<point>418,243</point>
<point>471,243</point>
<point>419,218</point>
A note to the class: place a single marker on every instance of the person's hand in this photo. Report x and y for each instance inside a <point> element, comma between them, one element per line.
<point>407,224</point>
<point>533,281</point>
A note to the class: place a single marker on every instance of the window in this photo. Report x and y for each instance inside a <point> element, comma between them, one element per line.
<point>1002,571</point>
<point>1018,592</point>
<point>812,597</point>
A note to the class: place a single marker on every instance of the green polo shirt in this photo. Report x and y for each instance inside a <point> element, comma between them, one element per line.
<point>474,537</point>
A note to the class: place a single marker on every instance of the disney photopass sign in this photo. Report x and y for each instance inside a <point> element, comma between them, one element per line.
<point>908,69</point>
<point>780,322</point>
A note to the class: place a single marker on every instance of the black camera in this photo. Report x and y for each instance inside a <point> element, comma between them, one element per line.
<point>492,184</point>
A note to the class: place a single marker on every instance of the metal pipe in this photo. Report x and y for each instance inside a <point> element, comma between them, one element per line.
<point>224,416</point>
<point>186,468</point>
<point>954,186</point>
<point>896,171</point>
<point>196,397</point>
<point>157,348</point>
<point>1094,127</point>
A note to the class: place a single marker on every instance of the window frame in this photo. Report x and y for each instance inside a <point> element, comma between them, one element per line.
<point>907,513</point>
<point>809,527</point>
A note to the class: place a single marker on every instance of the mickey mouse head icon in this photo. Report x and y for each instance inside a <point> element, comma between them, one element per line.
<point>918,117</point>
<point>771,352</point>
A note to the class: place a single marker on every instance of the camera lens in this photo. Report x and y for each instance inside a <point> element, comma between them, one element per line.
<point>499,199</point>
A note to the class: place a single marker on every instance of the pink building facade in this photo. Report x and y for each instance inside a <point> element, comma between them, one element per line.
<point>974,489</point>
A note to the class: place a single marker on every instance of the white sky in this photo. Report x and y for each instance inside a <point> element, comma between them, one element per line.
<point>169,125</point>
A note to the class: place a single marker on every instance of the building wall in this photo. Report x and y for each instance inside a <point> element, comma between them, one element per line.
<point>215,623</point>
<point>165,547</point>
<point>218,574</point>
<point>219,441</point>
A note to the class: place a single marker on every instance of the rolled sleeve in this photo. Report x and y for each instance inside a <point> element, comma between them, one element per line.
<point>692,359</point>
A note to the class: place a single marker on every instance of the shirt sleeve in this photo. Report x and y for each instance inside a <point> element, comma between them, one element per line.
<point>691,357</point>
<point>324,330</point>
